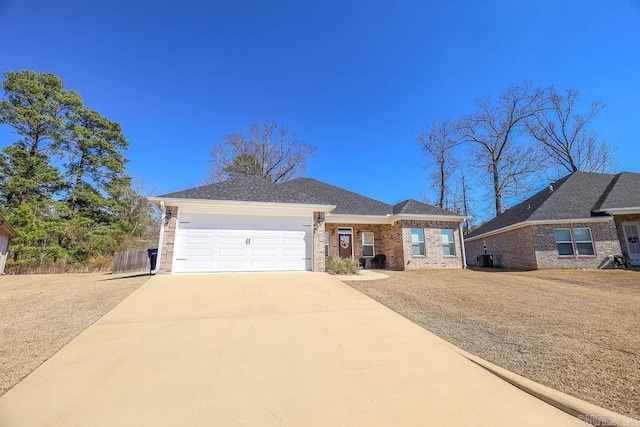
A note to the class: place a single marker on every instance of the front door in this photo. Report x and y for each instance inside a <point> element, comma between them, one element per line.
<point>632,239</point>
<point>345,245</point>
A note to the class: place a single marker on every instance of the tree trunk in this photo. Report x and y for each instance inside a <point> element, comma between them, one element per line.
<point>496,189</point>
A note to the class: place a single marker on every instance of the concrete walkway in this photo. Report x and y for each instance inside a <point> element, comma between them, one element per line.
<point>263,349</point>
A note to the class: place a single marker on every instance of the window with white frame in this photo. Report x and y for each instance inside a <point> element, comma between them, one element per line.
<point>367,244</point>
<point>563,241</point>
<point>448,247</point>
<point>584,242</point>
<point>417,241</point>
<point>326,244</point>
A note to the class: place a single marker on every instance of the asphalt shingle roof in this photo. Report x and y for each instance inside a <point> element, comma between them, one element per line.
<point>347,202</point>
<point>624,193</point>
<point>411,206</point>
<point>249,189</point>
<point>304,191</point>
<point>575,196</point>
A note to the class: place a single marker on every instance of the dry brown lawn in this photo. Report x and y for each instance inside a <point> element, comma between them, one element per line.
<point>573,330</point>
<point>39,314</point>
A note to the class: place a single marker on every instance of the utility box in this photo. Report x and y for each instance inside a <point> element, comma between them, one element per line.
<point>485,260</point>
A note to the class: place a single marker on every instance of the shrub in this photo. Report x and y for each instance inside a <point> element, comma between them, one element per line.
<point>337,265</point>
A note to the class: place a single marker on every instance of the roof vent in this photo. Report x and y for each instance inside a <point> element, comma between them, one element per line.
<point>551,187</point>
<point>529,206</point>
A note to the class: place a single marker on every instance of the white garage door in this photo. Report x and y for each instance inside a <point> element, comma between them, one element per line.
<point>207,243</point>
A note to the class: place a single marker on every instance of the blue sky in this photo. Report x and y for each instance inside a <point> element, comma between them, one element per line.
<point>359,80</point>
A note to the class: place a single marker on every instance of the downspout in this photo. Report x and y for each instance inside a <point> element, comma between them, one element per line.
<point>464,254</point>
<point>162,217</point>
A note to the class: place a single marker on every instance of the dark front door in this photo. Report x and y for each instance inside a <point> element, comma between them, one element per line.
<point>344,245</point>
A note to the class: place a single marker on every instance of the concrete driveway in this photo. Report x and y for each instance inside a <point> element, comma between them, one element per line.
<point>263,349</point>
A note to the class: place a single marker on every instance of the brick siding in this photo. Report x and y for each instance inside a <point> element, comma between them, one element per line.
<point>318,243</point>
<point>384,241</point>
<point>511,249</point>
<point>534,247</point>
<point>168,240</point>
<point>605,242</point>
<point>434,256</point>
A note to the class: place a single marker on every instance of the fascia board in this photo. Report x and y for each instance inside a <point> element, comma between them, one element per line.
<point>357,219</point>
<point>181,202</point>
<point>419,217</point>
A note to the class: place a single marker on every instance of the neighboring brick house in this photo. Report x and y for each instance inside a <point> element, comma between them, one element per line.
<point>250,224</point>
<point>580,221</point>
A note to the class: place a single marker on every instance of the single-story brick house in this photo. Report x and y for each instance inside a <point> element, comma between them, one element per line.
<point>251,224</point>
<point>6,233</point>
<point>580,221</point>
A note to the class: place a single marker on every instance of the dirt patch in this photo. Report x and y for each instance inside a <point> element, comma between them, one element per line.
<point>573,330</point>
<point>39,314</point>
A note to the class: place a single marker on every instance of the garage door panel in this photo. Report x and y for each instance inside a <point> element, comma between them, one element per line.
<point>235,240</point>
<point>264,241</point>
<point>241,243</point>
<point>197,265</point>
<point>235,252</point>
<point>192,251</point>
<point>262,252</point>
<point>199,240</point>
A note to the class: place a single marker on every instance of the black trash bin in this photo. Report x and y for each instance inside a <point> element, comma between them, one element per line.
<point>153,257</point>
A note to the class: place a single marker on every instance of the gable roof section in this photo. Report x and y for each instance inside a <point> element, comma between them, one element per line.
<point>347,202</point>
<point>246,189</point>
<point>304,191</point>
<point>624,193</point>
<point>414,207</point>
<point>576,196</point>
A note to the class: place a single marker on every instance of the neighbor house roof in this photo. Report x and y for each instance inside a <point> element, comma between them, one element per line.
<point>246,189</point>
<point>6,228</point>
<point>624,193</point>
<point>579,195</point>
<point>304,191</point>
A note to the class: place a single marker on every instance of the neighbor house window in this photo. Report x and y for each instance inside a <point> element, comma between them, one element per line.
<point>563,241</point>
<point>448,247</point>
<point>417,241</point>
<point>367,244</point>
<point>584,243</point>
<point>326,243</point>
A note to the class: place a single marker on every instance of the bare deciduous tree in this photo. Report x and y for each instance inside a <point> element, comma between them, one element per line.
<point>267,150</point>
<point>563,133</point>
<point>439,144</point>
<point>495,130</point>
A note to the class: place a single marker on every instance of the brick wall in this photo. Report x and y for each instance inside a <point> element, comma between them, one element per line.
<point>434,256</point>
<point>619,219</point>
<point>511,249</point>
<point>168,240</point>
<point>318,243</point>
<point>605,241</point>
<point>386,240</point>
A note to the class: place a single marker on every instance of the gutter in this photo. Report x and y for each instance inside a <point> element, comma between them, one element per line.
<point>464,252</point>
<point>162,217</point>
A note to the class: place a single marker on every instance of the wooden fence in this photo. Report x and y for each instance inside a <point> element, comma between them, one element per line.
<point>130,261</point>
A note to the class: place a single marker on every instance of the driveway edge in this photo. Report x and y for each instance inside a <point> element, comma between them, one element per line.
<point>581,409</point>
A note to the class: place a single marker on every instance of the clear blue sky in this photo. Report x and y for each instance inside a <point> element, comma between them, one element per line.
<point>357,79</point>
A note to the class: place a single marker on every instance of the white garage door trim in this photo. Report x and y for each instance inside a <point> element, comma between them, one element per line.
<point>216,243</point>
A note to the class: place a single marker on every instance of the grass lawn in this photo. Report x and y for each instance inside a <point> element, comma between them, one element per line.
<point>40,313</point>
<point>576,331</point>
